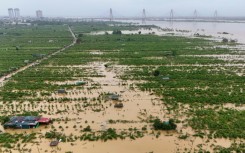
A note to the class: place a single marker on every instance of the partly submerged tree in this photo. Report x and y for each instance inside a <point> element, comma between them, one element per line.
<point>225,40</point>
<point>164,125</point>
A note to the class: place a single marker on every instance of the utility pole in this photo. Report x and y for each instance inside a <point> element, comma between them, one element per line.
<point>111,15</point>
<point>143,17</point>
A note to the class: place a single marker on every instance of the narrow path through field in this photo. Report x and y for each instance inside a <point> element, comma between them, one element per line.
<point>5,79</point>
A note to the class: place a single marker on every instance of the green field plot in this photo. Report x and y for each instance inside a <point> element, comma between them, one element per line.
<point>20,45</point>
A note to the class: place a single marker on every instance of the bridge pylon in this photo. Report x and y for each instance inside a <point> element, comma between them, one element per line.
<point>171,15</point>
<point>215,15</point>
<point>143,17</point>
<point>195,15</point>
<point>111,15</point>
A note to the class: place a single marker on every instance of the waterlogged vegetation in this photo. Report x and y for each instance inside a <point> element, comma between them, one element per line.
<point>40,78</point>
<point>188,82</point>
<point>223,123</point>
<point>146,49</point>
<point>164,125</point>
<point>193,84</point>
<point>239,148</point>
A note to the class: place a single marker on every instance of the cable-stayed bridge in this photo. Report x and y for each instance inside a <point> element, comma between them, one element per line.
<point>170,15</point>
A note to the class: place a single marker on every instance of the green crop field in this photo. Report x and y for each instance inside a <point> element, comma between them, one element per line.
<point>20,45</point>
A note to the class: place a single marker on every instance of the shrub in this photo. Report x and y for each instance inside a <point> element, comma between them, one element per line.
<point>80,35</point>
<point>4,119</point>
<point>17,48</point>
<point>87,129</point>
<point>156,73</point>
<point>225,40</point>
<point>118,105</point>
<point>117,32</point>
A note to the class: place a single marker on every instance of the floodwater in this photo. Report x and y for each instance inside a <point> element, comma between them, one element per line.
<point>234,30</point>
<point>138,106</point>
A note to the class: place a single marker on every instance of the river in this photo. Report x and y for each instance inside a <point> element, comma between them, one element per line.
<point>234,30</point>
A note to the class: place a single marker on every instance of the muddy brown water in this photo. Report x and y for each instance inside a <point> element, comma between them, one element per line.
<point>138,105</point>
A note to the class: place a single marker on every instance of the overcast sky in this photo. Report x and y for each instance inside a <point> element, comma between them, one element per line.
<point>100,8</point>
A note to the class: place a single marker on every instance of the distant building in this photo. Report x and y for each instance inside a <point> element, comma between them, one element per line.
<point>39,14</point>
<point>11,13</point>
<point>17,13</point>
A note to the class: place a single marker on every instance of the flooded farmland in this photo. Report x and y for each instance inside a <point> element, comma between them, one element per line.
<point>106,92</point>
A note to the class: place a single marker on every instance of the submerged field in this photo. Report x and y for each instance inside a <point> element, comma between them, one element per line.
<point>197,81</point>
